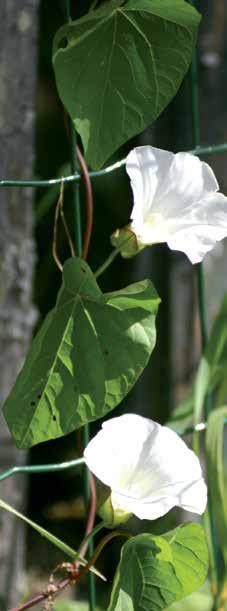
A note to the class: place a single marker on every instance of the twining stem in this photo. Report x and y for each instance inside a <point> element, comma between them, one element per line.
<point>59,213</point>
<point>209,523</point>
<point>111,258</point>
<point>89,537</point>
<point>89,196</point>
<point>93,5</point>
<point>62,585</point>
<point>89,486</point>
<point>65,582</point>
<point>88,490</point>
<point>102,544</point>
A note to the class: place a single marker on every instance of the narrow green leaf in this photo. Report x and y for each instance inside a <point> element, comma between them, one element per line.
<point>211,375</point>
<point>45,533</point>
<point>155,571</point>
<point>216,470</point>
<point>119,66</point>
<point>86,357</point>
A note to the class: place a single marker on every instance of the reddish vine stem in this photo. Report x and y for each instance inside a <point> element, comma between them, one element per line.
<point>56,221</point>
<point>101,545</point>
<point>59,212</point>
<point>76,575</point>
<point>91,513</point>
<point>86,243</point>
<point>89,195</point>
<point>43,596</point>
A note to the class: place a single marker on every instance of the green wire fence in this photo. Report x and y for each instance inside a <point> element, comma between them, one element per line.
<point>200,151</point>
<point>74,178</point>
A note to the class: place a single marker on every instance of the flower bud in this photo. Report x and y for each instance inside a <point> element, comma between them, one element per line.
<point>127,242</point>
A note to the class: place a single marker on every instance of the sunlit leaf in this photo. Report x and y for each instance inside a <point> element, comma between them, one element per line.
<point>201,600</point>
<point>155,571</point>
<point>86,357</point>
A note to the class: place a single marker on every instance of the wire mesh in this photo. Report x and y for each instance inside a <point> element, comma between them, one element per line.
<point>75,179</point>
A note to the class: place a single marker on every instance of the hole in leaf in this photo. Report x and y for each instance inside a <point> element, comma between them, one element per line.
<point>54,418</point>
<point>83,270</point>
<point>63,43</point>
<point>32,403</point>
<point>39,396</point>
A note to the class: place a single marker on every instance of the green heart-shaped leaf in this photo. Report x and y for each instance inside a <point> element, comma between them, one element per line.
<point>155,571</point>
<point>119,66</point>
<point>86,357</point>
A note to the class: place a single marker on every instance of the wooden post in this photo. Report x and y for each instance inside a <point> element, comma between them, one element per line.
<point>18,66</point>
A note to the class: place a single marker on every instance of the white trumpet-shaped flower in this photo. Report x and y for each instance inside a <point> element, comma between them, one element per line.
<point>176,200</point>
<point>148,468</point>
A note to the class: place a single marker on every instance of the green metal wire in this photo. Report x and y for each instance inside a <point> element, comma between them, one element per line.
<point>70,464</point>
<point>53,467</point>
<point>200,151</point>
<point>75,177</point>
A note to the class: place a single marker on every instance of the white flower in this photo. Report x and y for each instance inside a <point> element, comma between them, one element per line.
<point>147,466</point>
<point>175,201</point>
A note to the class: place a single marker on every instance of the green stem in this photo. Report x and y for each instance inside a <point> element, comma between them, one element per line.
<point>203,331</point>
<point>107,262</point>
<point>78,242</point>
<point>209,522</point>
<point>90,535</point>
<point>202,305</point>
<point>111,258</point>
<point>212,558</point>
<point>93,5</point>
<point>103,543</point>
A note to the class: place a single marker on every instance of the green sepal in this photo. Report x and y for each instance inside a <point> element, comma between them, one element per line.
<point>125,240</point>
<point>112,517</point>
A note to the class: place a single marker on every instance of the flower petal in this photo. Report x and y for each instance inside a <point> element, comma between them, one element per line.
<point>166,184</point>
<point>112,455</point>
<point>148,467</point>
<point>176,201</point>
<point>147,167</point>
<point>201,228</point>
<point>188,181</point>
<point>193,498</point>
